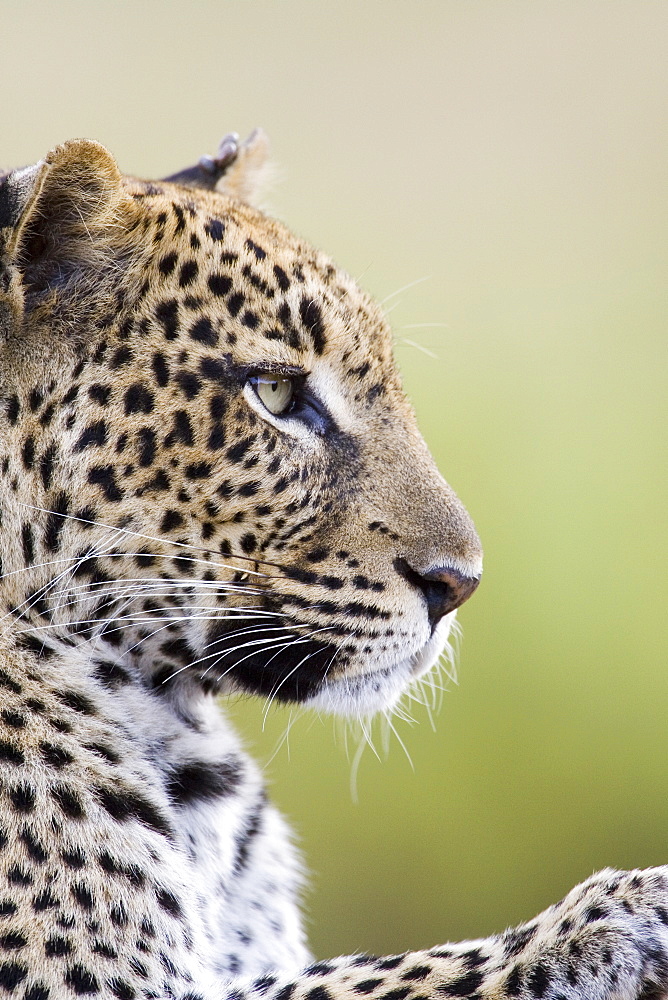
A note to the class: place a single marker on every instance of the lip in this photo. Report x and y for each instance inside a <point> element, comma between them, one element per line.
<point>425,658</point>
<point>380,689</point>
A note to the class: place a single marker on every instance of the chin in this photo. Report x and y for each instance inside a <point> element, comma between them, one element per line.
<point>378,688</point>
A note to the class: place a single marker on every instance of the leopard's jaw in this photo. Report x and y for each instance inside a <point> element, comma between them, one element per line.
<point>379,689</point>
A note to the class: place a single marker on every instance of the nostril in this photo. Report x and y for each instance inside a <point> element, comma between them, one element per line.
<point>443,587</point>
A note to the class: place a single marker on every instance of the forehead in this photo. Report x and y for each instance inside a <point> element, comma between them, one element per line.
<point>240,281</point>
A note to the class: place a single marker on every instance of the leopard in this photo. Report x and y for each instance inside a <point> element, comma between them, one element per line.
<point>212,483</point>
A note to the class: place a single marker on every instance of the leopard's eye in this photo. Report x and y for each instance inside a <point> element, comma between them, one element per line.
<point>276,393</point>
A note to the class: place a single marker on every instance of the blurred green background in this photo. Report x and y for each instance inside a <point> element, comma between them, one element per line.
<point>506,162</point>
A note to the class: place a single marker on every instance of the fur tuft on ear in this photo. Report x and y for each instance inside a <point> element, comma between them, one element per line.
<point>238,169</point>
<point>54,216</point>
<point>248,173</point>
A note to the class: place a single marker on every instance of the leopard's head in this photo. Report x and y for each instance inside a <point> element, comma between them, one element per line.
<point>210,473</point>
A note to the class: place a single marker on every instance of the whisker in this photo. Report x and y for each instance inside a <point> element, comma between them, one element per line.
<point>404,288</point>
<point>153,538</point>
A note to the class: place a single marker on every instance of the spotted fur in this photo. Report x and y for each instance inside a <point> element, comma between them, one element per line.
<point>166,538</point>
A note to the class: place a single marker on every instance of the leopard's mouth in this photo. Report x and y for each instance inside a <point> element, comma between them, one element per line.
<point>312,671</point>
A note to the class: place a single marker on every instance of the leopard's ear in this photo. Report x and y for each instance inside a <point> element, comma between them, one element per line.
<point>57,216</point>
<point>239,169</point>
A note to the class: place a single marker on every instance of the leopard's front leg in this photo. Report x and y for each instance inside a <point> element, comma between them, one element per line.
<point>607,940</point>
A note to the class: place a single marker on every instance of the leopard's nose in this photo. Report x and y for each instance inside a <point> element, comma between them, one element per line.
<point>444,588</point>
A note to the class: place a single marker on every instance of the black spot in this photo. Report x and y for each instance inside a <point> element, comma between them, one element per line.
<point>104,751</point>
<point>281,278</point>
<point>147,447</point>
<point>235,302</point>
<point>46,463</point>
<point>35,705</point>
<point>22,797</point>
<point>103,476</point>
<point>237,451</point>
<point>100,948</point>
<point>9,683</point>
<point>189,384</point>
<point>45,901</point>
<point>11,974</point>
<point>201,470</point>
<point>121,357</point>
<point>219,284</point>
<point>168,901</point>
<point>109,672</point>
<point>188,273</point>
<point>389,963</point>
<point>538,980</point>
<point>82,894</point>
<point>182,430</point>
<point>202,780</point>
<point>38,991</point>
<point>35,399</point>
<point>215,229</point>
<point>244,840</point>
<point>132,872</point>
<point>76,701</point>
<point>216,438</point>
<point>121,989</point>
<point>13,941</point>
<point>160,368</point>
<point>203,332</point>
<point>19,876</point>
<point>28,544</point>
<point>47,415</point>
<point>74,858</point>
<point>13,409</point>
<point>249,489</point>
<point>375,391</point>
<point>138,399</point>
<point>312,319</point>
<point>250,319</point>
<point>61,725</point>
<point>118,914</point>
<point>34,645</point>
<point>55,756</point>
<point>260,254</point>
<point>81,980</point>
<point>57,945</point>
<point>180,219</point>
<point>36,850</point>
<point>248,543</point>
<point>167,264</point>
<point>368,985</point>
<point>7,908</point>
<point>93,436</point>
<point>167,313</point>
<point>55,522</point>
<point>123,803</point>
<point>172,519</point>
<point>69,801</point>
<point>514,982</point>
<point>10,753</point>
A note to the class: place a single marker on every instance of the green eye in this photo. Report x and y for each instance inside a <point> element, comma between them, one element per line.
<point>275,393</point>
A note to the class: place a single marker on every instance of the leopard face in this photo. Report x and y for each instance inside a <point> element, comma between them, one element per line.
<point>210,473</point>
